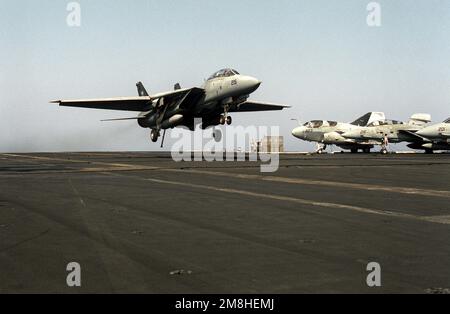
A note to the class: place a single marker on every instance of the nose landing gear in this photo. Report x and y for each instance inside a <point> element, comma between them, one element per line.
<point>225,118</point>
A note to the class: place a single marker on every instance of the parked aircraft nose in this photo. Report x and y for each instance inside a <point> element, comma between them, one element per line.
<point>249,84</point>
<point>426,132</point>
<point>299,132</point>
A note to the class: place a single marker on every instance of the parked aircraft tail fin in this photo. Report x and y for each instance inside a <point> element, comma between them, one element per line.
<point>141,89</point>
<point>369,118</point>
<point>419,119</point>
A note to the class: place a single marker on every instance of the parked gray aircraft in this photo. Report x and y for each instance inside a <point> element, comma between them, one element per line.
<point>384,132</point>
<point>226,91</point>
<point>433,137</point>
<point>330,132</point>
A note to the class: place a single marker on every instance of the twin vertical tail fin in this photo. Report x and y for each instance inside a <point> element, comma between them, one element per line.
<point>143,92</point>
<point>141,89</point>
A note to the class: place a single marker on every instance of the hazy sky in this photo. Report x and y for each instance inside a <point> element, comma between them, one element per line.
<point>320,57</point>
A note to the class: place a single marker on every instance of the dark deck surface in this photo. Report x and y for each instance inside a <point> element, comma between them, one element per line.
<point>132,220</point>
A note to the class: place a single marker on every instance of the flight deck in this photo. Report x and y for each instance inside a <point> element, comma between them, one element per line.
<point>140,222</point>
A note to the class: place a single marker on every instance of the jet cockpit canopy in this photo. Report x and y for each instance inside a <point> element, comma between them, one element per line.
<point>223,73</point>
<point>319,123</point>
<point>385,122</point>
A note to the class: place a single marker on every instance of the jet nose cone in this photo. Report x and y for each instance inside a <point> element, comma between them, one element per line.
<point>253,80</point>
<point>421,132</point>
<point>298,132</point>
<point>250,84</point>
<point>425,132</point>
<point>256,82</point>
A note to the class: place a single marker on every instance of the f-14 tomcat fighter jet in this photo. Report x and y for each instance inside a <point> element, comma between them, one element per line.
<point>226,91</point>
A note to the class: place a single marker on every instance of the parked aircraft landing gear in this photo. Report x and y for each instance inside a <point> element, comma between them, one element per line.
<point>320,149</point>
<point>229,120</point>
<point>383,151</point>
<point>154,134</point>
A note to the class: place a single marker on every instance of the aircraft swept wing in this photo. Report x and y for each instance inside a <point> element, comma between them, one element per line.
<point>138,103</point>
<point>250,105</point>
<point>134,103</point>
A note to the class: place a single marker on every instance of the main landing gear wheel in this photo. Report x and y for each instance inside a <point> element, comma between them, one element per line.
<point>383,151</point>
<point>222,120</point>
<point>154,134</point>
<point>229,120</point>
